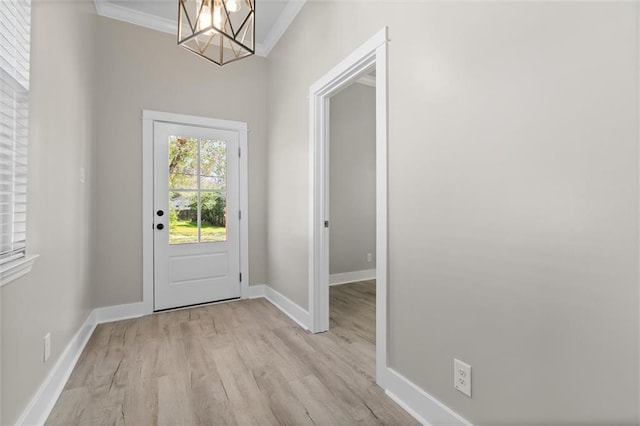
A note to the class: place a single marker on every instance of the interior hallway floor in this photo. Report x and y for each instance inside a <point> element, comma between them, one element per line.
<point>236,363</point>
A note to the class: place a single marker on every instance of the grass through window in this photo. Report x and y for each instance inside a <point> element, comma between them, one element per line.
<point>185,231</point>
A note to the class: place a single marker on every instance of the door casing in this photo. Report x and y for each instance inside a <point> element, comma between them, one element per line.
<point>373,53</point>
<point>148,119</point>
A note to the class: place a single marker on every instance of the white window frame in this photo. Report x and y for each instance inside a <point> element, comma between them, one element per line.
<point>15,29</point>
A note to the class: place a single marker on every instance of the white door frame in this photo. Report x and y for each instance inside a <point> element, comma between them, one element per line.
<point>372,53</point>
<point>148,118</point>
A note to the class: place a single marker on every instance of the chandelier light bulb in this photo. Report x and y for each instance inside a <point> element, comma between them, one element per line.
<point>217,16</point>
<point>204,21</point>
<point>233,5</point>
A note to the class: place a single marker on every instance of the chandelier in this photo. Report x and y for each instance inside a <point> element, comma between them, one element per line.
<point>220,31</point>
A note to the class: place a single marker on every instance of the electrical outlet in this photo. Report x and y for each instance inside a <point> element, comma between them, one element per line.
<point>47,347</point>
<point>369,257</point>
<point>462,377</point>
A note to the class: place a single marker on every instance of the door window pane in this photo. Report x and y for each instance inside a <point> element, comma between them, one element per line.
<point>197,190</point>
<point>183,217</point>
<point>213,165</point>
<point>183,163</point>
<point>214,216</point>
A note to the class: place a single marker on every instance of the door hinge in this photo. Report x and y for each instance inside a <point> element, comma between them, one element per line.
<point>240,276</point>
<point>326,223</point>
<point>239,152</point>
<point>239,214</point>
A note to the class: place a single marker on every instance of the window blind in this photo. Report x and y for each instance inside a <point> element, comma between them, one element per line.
<point>14,95</point>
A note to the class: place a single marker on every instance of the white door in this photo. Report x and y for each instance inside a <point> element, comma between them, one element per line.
<point>196,215</point>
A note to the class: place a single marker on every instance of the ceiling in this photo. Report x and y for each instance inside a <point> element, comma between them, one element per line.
<point>273,17</point>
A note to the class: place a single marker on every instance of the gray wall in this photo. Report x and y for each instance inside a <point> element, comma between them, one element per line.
<point>352,162</point>
<point>513,189</point>
<point>141,69</point>
<point>513,196</point>
<point>55,296</point>
<point>1,356</point>
<point>91,77</point>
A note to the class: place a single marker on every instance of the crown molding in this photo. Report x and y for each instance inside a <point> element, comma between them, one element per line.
<point>147,20</point>
<point>136,17</point>
<point>285,19</point>
<point>261,50</point>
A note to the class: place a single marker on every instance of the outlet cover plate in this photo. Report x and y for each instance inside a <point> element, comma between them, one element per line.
<point>47,347</point>
<point>462,377</point>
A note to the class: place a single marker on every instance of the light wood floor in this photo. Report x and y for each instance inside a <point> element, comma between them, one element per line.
<point>242,363</point>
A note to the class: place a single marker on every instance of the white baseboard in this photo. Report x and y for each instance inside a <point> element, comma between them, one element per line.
<point>45,398</point>
<point>415,401</point>
<point>254,291</point>
<point>291,309</point>
<point>121,312</point>
<point>352,277</point>
<point>425,408</point>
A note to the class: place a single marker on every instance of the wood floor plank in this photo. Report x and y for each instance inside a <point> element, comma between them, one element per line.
<point>237,363</point>
<point>70,406</point>
<point>283,403</point>
<point>140,402</point>
<point>321,404</point>
<point>174,406</point>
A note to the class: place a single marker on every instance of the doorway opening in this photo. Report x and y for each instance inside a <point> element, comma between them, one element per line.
<point>352,217</point>
<point>372,55</point>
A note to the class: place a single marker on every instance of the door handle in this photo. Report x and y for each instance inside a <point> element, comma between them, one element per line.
<point>160,227</point>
